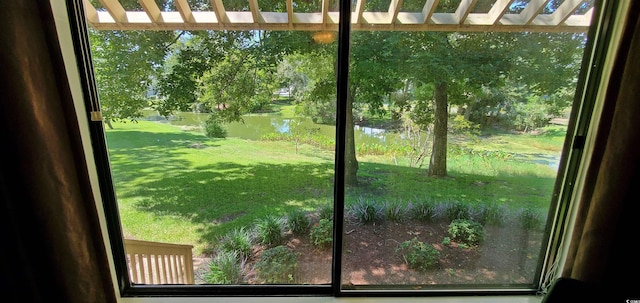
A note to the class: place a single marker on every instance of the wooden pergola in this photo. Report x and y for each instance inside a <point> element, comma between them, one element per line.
<point>500,18</point>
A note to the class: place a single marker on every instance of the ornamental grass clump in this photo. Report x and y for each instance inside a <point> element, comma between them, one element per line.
<point>239,241</point>
<point>298,222</point>
<point>225,268</point>
<point>270,230</point>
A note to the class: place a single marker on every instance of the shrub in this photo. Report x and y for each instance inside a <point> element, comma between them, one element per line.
<point>277,266</point>
<point>395,212</point>
<point>239,240</point>
<point>456,210</point>
<point>423,210</point>
<point>367,211</point>
<point>531,218</point>
<point>225,268</point>
<point>325,211</point>
<point>213,128</point>
<point>297,221</point>
<point>322,233</point>
<point>418,255</point>
<point>270,230</point>
<point>466,231</point>
<point>489,214</point>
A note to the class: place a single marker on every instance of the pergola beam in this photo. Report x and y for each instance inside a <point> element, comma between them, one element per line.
<point>533,9</point>
<point>116,10</point>
<point>560,15</point>
<point>255,11</point>
<point>90,12</point>
<point>152,10</point>
<point>463,10</point>
<point>498,10</point>
<point>112,16</point>
<point>185,11</point>
<point>357,16</point>
<point>428,9</point>
<point>220,12</point>
<point>394,9</point>
<point>290,13</point>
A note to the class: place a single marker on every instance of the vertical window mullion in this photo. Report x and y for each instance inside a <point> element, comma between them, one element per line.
<point>342,78</point>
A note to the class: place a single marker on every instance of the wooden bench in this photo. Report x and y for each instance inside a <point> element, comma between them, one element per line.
<point>159,263</point>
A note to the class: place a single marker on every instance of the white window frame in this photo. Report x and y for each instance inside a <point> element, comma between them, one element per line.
<point>609,48</point>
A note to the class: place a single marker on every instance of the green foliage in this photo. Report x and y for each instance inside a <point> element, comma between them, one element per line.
<point>213,128</point>
<point>367,211</point>
<point>395,211</point>
<point>277,265</point>
<point>462,126</point>
<point>418,255</point>
<point>325,211</point>
<point>270,230</point>
<point>140,162</point>
<point>238,241</point>
<point>312,79</point>
<point>321,233</point>
<point>446,241</point>
<point>297,221</point>
<point>225,268</point>
<point>489,213</point>
<point>423,210</point>
<point>236,85</point>
<point>125,63</point>
<point>531,218</point>
<point>455,209</point>
<point>466,231</point>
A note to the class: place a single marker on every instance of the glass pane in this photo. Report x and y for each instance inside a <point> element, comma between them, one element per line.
<point>453,146</point>
<point>221,145</point>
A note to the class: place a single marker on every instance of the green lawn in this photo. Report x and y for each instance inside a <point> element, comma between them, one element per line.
<point>182,187</point>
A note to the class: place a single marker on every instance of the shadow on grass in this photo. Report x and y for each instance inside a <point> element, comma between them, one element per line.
<point>222,196</point>
<point>219,197</point>
<point>396,183</point>
<point>139,154</point>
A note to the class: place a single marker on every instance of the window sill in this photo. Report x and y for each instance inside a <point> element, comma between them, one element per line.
<point>462,299</point>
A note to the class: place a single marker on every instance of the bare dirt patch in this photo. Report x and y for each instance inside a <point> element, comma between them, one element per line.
<point>508,255</point>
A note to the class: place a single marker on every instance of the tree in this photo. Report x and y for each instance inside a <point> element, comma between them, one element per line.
<point>456,65</point>
<point>235,86</point>
<point>374,72</point>
<point>372,77</point>
<point>125,64</point>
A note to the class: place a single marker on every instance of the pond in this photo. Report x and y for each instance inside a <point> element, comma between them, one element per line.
<point>255,126</point>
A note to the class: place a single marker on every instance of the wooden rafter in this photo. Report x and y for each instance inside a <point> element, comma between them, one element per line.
<point>115,9</point>
<point>219,11</point>
<point>533,9</point>
<point>112,15</point>
<point>428,10</point>
<point>152,10</point>
<point>463,10</point>
<point>290,13</point>
<point>255,11</point>
<point>185,11</point>
<point>356,17</point>
<point>498,10</point>
<point>560,15</point>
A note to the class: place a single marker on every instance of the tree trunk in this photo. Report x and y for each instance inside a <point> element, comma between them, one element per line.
<point>438,160</point>
<point>108,123</point>
<point>351,163</point>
